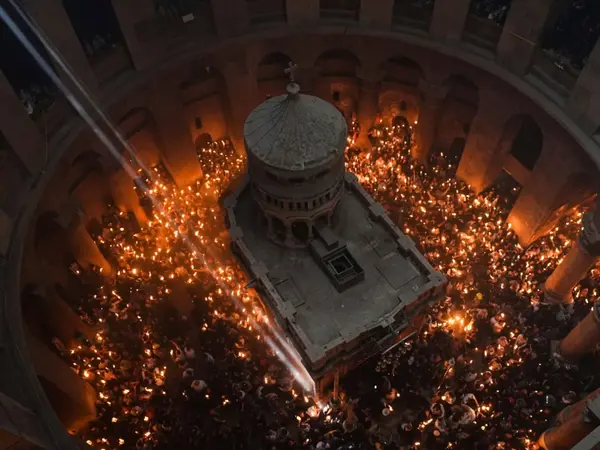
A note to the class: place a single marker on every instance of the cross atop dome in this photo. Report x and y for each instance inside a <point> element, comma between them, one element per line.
<point>292,88</point>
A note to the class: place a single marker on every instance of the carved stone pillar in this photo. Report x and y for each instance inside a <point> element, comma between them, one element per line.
<point>85,250</point>
<point>376,14</point>
<point>179,150</point>
<point>566,435</point>
<point>448,21</point>
<point>19,130</point>
<point>368,103</point>
<point>302,12</point>
<point>243,95</point>
<point>52,18</point>
<point>582,339</point>
<point>231,17</point>
<point>126,197</point>
<point>521,33</point>
<point>57,375</point>
<point>432,97</point>
<point>482,140</point>
<point>581,258</point>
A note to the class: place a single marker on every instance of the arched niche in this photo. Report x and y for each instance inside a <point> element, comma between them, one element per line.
<point>206,105</point>
<point>270,74</point>
<point>528,141</point>
<point>139,129</point>
<point>457,111</point>
<point>337,63</point>
<point>301,231</point>
<point>90,184</point>
<point>402,71</point>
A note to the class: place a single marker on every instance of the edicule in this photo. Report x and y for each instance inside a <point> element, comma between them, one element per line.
<point>331,267</point>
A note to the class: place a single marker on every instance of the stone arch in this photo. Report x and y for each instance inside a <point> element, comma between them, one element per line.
<point>457,111</point>
<point>82,166</point>
<point>403,71</point>
<point>204,96</point>
<point>138,127</point>
<point>203,141</point>
<point>279,228</point>
<point>301,230</point>
<point>337,63</point>
<point>90,184</point>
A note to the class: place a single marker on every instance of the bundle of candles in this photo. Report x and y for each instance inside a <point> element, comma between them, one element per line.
<point>176,362</point>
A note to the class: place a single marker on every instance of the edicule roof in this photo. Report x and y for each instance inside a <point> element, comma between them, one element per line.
<point>295,132</point>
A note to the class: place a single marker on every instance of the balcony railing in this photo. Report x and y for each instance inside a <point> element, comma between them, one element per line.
<point>266,11</point>
<point>555,71</point>
<point>345,10</point>
<point>414,14</point>
<point>482,32</point>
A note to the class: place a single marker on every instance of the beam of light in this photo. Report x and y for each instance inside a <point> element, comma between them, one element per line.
<point>67,70</point>
<point>289,358</point>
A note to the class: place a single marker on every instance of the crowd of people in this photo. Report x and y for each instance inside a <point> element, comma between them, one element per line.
<point>180,357</point>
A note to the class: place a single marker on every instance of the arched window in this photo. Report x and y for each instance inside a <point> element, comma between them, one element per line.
<point>527,144</point>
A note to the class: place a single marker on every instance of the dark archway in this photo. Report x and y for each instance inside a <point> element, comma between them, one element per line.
<point>457,111</point>
<point>272,68</point>
<point>337,63</point>
<point>203,142</point>
<point>139,129</point>
<point>279,229</point>
<point>528,142</point>
<point>301,230</point>
<point>403,71</point>
<point>83,165</point>
<point>270,74</point>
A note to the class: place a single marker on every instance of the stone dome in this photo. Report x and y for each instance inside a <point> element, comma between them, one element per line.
<point>295,132</point>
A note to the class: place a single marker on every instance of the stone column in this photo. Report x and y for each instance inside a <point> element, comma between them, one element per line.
<point>376,14</point>
<point>581,258</point>
<point>302,12</point>
<point>231,17</point>
<point>56,373</point>
<point>19,130</point>
<point>448,19</point>
<point>584,102</point>
<point>432,97</point>
<point>126,197</point>
<point>61,318</point>
<point>135,16</point>
<point>582,339</point>
<point>482,140</point>
<point>85,250</point>
<point>178,148</point>
<point>22,423</point>
<point>521,34</point>
<point>368,105</point>
<point>51,17</point>
<point>566,435</point>
<point>243,96</point>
